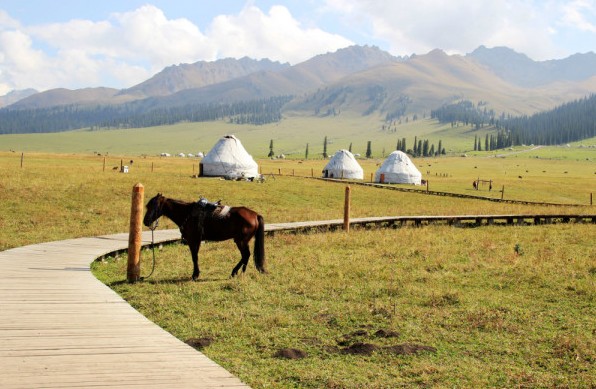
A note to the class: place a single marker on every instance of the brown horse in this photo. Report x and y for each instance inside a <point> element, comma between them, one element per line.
<point>197,224</point>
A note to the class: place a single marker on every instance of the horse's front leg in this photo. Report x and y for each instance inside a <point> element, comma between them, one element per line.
<point>194,253</point>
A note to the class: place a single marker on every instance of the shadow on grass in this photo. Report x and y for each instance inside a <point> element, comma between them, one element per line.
<point>167,281</point>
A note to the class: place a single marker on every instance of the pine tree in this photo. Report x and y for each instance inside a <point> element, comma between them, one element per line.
<point>325,148</point>
<point>306,152</point>
<point>368,150</point>
<point>271,153</point>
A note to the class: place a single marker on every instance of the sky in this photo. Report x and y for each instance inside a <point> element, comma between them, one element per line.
<point>46,44</point>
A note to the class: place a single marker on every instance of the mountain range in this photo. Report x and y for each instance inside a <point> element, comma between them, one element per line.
<point>362,80</point>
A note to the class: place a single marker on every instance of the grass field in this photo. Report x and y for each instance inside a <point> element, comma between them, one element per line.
<point>58,196</point>
<point>290,137</point>
<point>498,307</point>
<point>434,306</point>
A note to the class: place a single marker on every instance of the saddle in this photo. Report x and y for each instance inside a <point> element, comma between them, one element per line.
<point>204,208</point>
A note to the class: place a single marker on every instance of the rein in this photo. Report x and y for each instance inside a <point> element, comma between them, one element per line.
<point>153,227</point>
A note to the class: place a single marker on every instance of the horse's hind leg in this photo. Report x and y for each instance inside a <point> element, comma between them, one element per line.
<point>245,252</point>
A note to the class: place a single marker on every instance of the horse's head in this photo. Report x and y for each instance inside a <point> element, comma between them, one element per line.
<point>154,209</point>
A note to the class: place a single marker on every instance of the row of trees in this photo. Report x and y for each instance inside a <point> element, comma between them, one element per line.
<point>567,123</point>
<point>467,113</point>
<point>500,140</point>
<point>137,114</point>
<point>422,148</point>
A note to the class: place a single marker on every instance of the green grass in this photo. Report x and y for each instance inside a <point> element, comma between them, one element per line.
<point>55,197</point>
<point>502,306</point>
<point>290,137</point>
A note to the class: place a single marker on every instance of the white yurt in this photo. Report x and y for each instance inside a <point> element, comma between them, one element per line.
<point>229,159</point>
<point>343,165</point>
<point>398,168</point>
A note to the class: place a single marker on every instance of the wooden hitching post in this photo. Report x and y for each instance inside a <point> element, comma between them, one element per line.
<point>347,210</point>
<point>22,157</point>
<point>133,272</point>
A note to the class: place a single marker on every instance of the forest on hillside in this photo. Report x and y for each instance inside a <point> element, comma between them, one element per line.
<point>137,115</point>
<point>569,122</point>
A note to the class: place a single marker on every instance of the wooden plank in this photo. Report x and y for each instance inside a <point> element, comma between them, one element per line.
<point>60,327</point>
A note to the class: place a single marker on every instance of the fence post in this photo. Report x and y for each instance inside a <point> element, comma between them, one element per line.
<point>133,271</point>
<point>347,210</point>
<point>22,157</point>
<point>104,164</point>
<point>502,192</point>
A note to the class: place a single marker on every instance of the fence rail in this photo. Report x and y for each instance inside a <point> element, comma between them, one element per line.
<point>452,220</point>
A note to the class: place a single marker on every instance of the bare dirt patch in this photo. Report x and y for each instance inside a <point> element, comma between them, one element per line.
<point>290,353</point>
<point>199,343</point>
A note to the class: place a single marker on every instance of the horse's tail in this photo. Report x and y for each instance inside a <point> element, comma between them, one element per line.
<point>259,249</point>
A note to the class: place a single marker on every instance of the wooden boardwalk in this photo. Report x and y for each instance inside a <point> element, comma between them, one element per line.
<point>60,327</point>
<point>452,220</point>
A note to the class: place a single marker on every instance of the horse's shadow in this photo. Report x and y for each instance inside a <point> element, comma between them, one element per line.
<point>169,281</point>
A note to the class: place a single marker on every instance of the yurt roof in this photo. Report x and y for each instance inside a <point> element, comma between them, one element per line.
<point>229,157</point>
<point>398,168</point>
<point>344,162</point>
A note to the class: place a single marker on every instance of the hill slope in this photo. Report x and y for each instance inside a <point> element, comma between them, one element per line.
<point>360,80</point>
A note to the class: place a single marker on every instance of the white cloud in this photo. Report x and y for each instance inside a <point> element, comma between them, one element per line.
<point>276,35</point>
<point>460,26</point>
<point>577,14</point>
<point>20,63</point>
<point>130,47</point>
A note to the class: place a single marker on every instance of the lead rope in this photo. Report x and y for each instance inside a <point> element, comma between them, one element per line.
<point>152,228</point>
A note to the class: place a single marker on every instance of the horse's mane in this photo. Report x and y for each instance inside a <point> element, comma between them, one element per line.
<point>180,202</point>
